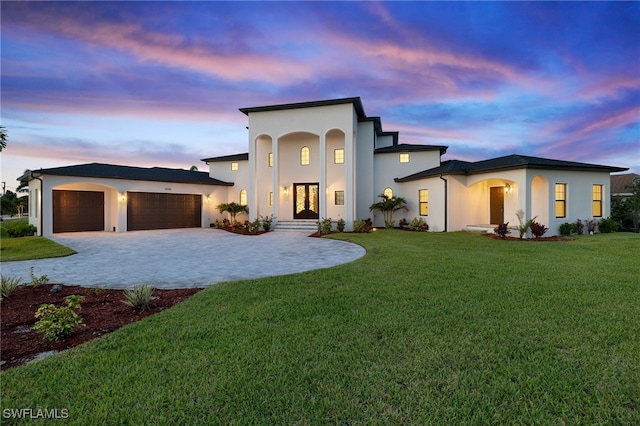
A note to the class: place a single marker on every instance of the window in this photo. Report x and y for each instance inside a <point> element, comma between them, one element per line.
<point>304,156</point>
<point>35,203</point>
<point>404,157</point>
<point>388,192</point>
<point>339,197</point>
<point>597,201</point>
<point>423,198</point>
<point>271,159</point>
<point>338,156</point>
<point>561,200</point>
<point>243,197</point>
<point>234,166</point>
<point>270,198</point>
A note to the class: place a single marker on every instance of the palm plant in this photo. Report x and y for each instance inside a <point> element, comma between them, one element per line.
<point>233,209</point>
<point>387,206</point>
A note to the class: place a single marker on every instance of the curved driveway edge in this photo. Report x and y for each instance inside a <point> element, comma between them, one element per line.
<point>182,258</point>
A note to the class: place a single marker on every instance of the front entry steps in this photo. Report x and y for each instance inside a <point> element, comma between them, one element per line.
<point>297,226</point>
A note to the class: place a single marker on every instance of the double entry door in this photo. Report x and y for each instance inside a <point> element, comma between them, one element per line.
<point>305,200</point>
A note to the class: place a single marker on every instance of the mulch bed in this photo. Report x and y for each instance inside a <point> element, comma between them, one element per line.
<point>540,240</point>
<point>103,311</point>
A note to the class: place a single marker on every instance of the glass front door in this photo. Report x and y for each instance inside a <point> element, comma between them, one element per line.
<point>305,202</point>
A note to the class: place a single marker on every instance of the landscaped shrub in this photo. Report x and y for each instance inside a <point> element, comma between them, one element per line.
<point>324,226</point>
<point>218,224</point>
<point>139,296</point>
<point>591,226</point>
<point>340,225</point>
<point>22,230</point>
<point>8,285</point>
<point>418,224</point>
<point>606,225</point>
<point>579,227</point>
<point>566,229</point>
<point>361,226</point>
<point>254,226</point>
<point>403,223</point>
<point>58,323</point>
<point>36,281</point>
<point>267,221</point>
<point>524,225</point>
<point>538,229</point>
<point>502,230</point>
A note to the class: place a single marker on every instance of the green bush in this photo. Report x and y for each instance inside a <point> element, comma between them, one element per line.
<point>36,281</point>
<point>58,323</point>
<point>254,226</point>
<point>340,225</point>
<point>362,226</point>
<point>139,296</point>
<point>267,221</point>
<point>418,224</point>
<point>8,285</point>
<point>22,230</point>
<point>567,229</point>
<point>607,225</point>
<point>325,226</point>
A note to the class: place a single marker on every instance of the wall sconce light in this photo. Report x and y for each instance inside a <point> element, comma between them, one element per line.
<point>208,199</point>
<point>507,188</point>
<point>285,190</point>
<point>122,196</point>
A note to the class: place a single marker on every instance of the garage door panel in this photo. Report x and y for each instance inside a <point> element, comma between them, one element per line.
<point>78,211</point>
<point>149,210</point>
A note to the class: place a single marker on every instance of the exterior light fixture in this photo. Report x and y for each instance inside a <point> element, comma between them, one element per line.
<point>122,196</point>
<point>285,190</point>
<point>507,187</point>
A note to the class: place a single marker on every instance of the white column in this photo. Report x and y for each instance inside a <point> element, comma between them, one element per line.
<point>322,190</point>
<point>275,182</point>
<point>252,195</point>
<point>350,180</point>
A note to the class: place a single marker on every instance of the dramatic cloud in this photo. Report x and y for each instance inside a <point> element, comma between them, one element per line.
<point>160,83</point>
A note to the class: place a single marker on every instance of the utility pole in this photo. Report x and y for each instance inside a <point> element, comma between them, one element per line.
<point>4,185</point>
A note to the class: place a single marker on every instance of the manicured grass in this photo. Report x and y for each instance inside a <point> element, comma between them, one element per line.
<point>27,248</point>
<point>427,328</point>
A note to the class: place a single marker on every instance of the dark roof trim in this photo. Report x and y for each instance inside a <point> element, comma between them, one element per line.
<point>509,162</point>
<point>112,171</point>
<point>356,101</point>
<point>404,147</point>
<point>233,157</point>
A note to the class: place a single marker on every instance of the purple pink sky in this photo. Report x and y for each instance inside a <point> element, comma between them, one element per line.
<point>160,83</point>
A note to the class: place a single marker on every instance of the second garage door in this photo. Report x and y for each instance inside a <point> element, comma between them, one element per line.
<point>78,211</point>
<point>149,210</point>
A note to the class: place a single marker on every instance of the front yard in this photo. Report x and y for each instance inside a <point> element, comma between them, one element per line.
<point>427,328</point>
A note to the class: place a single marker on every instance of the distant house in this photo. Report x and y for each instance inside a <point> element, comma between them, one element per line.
<point>621,184</point>
<point>326,159</point>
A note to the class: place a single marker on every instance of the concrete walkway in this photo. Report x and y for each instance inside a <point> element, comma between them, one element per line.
<point>182,258</point>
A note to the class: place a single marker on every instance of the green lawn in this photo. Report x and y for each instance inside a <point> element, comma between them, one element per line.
<point>427,328</point>
<point>27,248</point>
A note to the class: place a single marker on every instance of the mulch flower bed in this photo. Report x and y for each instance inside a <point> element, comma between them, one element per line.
<point>103,311</point>
<point>541,239</point>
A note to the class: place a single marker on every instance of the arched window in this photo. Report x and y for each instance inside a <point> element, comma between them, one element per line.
<point>388,192</point>
<point>304,156</point>
<point>243,197</point>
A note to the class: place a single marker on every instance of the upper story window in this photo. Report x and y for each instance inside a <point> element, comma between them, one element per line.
<point>338,156</point>
<point>271,159</point>
<point>561,199</point>
<point>388,192</point>
<point>404,157</point>
<point>597,201</point>
<point>243,197</point>
<point>234,166</point>
<point>304,156</point>
<point>423,198</point>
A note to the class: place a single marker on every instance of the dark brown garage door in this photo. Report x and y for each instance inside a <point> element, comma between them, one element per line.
<point>77,211</point>
<point>148,210</point>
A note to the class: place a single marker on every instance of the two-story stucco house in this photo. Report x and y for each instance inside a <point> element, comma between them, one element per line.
<point>314,160</point>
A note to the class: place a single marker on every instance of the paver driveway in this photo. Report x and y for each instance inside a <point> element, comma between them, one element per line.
<point>182,258</point>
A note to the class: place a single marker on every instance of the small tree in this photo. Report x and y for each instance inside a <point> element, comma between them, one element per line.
<point>233,209</point>
<point>388,206</point>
